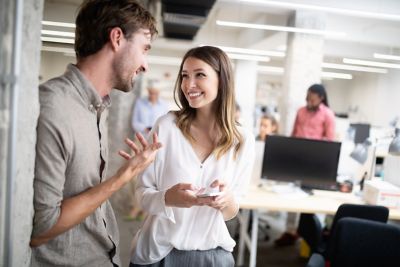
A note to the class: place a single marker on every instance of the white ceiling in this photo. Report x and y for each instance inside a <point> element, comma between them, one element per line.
<point>364,35</point>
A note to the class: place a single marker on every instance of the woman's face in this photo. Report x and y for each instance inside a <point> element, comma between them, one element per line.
<point>266,128</point>
<point>199,83</point>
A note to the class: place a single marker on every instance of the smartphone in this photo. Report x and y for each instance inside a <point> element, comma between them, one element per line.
<point>209,194</point>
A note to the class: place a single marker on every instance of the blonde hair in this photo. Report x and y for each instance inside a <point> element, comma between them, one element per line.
<point>225,100</point>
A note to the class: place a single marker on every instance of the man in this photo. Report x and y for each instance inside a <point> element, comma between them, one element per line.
<point>147,110</point>
<point>313,121</point>
<point>74,224</point>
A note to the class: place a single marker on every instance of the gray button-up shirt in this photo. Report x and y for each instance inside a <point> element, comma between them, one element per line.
<point>71,146</point>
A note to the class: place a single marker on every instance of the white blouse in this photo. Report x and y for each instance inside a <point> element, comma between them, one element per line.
<point>198,227</point>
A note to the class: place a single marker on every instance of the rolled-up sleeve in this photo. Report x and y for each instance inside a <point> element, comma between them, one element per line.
<point>50,167</point>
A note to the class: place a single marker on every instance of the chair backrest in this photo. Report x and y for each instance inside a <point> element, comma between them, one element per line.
<point>365,243</point>
<point>367,212</point>
<point>310,230</point>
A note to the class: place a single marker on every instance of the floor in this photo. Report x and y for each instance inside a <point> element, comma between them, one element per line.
<point>267,255</point>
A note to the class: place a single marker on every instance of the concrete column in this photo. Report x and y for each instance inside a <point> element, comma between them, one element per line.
<point>119,127</point>
<point>246,83</point>
<point>27,114</point>
<point>304,57</point>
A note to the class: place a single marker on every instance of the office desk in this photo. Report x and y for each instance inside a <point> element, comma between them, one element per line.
<point>262,198</point>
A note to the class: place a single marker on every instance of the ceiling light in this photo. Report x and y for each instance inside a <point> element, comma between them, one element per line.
<point>248,57</point>
<point>59,33</point>
<point>324,75</point>
<point>270,69</point>
<point>161,60</point>
<point>352,67</point>
<point>58,49</point>
<point>342,11</point>
<point>58,24</point>
<point>252,51</point>
<point>371,63</point>
<point>336,75</point>
<point>57,40</point>
<point>278,28</point>
<point>383,56</point>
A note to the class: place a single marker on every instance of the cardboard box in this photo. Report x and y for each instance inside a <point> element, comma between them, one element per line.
<point>378,192</point>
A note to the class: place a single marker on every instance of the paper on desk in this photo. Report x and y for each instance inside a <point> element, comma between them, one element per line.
<point>289,191</point>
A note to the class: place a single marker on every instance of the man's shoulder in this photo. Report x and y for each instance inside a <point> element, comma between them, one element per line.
<point>57,87</point>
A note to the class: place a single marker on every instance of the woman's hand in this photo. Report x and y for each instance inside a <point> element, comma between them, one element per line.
<point>225,202</point>
<point>184,196</point>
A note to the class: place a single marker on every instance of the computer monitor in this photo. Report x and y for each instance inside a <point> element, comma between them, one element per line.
<point>312,162</point>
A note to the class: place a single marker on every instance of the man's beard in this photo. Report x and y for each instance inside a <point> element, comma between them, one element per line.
<point>312,109</point>
<point>124,85</point>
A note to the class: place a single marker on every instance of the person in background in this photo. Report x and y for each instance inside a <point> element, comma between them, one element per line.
<point>74,224</point>
<point>147,110</point>
<point>205,151</point>
<point>313,121</point>
<point>268,125</point>
<point>145,113</point>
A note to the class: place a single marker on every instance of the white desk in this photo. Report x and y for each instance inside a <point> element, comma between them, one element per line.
<point>260,198</point>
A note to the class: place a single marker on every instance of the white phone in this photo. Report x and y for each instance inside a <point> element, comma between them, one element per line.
<point>209,194</point>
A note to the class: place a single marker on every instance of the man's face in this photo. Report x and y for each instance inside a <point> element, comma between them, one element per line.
<point>131,59</point>
<point>153,94</point>
<point>313,101</point>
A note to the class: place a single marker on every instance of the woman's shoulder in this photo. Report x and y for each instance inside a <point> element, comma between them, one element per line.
<point>166,119</point>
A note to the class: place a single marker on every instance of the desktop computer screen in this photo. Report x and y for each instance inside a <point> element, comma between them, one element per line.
<point>314,163</point>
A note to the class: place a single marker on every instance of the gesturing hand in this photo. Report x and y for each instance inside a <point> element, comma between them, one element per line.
<point>184,196</point>
<point>142,156</point>
<point>225,199</point>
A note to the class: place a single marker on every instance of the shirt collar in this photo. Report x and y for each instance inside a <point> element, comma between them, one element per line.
<point>86,89</point>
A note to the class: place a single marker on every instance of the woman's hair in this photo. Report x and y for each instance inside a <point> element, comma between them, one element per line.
<point>97,18</point>
<point>319,89</point>
<point>273,120</point>
<point>224,102</point>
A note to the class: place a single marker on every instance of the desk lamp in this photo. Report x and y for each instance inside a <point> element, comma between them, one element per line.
<point>394,147</point>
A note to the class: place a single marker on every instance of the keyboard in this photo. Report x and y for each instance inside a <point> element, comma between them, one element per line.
<point>321,186</point>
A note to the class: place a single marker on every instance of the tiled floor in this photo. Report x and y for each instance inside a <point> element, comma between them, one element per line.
<point>267,256</point>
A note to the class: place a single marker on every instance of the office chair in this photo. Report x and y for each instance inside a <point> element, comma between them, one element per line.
<point>367,212</point>
<point>362,243</point>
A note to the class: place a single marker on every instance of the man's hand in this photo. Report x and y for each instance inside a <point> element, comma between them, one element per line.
<point>142,156</point>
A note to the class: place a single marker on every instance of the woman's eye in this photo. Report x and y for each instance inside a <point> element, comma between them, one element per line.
<point>200,74</point>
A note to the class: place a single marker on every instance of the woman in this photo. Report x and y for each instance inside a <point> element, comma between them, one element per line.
<point>204,151</point>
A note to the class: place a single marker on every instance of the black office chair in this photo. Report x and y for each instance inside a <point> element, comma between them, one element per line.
<point>310,227</point>
<point>362,243</point>
<point>367,212</point>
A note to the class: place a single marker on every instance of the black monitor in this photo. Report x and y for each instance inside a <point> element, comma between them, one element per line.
<point>312,162</point>
<point>361,132</point>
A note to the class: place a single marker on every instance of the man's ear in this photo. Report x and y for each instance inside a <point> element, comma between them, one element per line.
<point>116,36</point>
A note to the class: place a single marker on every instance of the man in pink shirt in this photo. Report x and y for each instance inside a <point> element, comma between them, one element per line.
<point>313,121</point>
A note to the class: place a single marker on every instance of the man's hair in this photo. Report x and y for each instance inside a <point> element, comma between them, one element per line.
<point>319,89</point>
<point>225,101</point>
<point>97,18</point>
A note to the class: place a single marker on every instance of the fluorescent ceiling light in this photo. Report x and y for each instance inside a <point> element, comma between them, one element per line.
<point>58,49</point>
<point>59,33</point>
<point>58,24</point>
<point>57,40</point>
<point>371,63</point>
<point>383,56</point>
<point>352,67</point>
<point>248,57</point>
<point>278,28</point>
<point>336,75</point>
<point>252,51</point>
<point>270,69</point>
<point>325,75</point>
<point>342,11</point>
<point>161,60</point>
